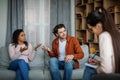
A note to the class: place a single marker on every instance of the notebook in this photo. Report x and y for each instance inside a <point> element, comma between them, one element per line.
<point>90,65</point>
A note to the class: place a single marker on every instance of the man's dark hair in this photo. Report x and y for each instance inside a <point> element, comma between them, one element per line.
<point>55,30</point>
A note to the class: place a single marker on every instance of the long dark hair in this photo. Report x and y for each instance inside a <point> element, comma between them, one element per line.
<point>100,15</point>
<point>15,37</point>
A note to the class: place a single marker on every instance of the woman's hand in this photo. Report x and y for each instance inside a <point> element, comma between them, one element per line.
<point>37,46</point>
<point>93,61</point>
<point>23,49</point>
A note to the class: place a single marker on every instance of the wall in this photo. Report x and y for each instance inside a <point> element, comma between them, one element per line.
<point>3,21</point>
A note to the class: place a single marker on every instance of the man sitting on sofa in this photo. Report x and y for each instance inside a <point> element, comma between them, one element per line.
<point>65,53</point>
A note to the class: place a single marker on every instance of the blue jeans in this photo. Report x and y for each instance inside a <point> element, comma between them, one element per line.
<point>55,65</point>
<point>88,73</point>
<point>21,68</point>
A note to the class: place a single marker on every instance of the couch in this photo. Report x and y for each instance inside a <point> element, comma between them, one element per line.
<point>39,67</point>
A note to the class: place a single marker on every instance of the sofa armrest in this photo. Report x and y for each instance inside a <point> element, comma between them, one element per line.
<point>86,55</point>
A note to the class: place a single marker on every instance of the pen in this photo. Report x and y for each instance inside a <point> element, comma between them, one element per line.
<point>94,56</point>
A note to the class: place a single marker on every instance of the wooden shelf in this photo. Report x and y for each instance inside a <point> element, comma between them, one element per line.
<point>118,26</point>
<point>98,3</point>
<point>89,8</point>
<point>117,9</point>
<point>81,30</point>
<point>97,0</point>
<point>90,1</point>
<point>117,18</point>
<point>82,8</point>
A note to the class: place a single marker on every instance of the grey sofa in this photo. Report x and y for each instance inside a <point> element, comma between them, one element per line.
<point>39,66</point>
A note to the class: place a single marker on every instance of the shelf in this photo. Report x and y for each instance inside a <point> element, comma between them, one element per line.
<point>117,18</point>
<point>111,9</point>
<point>117,9</point>
<point>84,2</point>
<point>81,11</point>
<point>78,15</point>
<point>89,36</point>
<point>93,43</point>
<point>90,2</point>
<point>78,2</point>
<point>98,4</point>
<point>118,25</point>
<point>79,30</point>
<point>89,8</point>
<point>98,0</point>
<point>78,5</point>
<point>95,38</point>
<point>83,7</point>
<point>108,3</point>
<point>83,23</point>
<point>77,24</point>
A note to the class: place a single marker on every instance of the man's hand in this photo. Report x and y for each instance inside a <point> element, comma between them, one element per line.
<point>37,46</point>
<point>45,48</point>
<point>23,49</point>
<point>69,58</point>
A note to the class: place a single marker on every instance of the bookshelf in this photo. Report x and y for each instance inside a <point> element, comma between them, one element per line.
<point>82,8</point>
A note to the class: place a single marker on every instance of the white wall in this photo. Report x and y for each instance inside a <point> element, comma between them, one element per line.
<point>3,21</point>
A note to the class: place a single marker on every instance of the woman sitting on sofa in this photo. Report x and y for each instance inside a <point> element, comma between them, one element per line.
<point>101,23</point>
<point>21,52</point>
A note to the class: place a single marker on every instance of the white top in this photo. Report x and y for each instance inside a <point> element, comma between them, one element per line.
<point>62,49</point>
<point>107,63</point>
<point>15,53</point>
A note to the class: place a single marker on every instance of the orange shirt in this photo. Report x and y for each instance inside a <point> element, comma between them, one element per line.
<point>72,48</point>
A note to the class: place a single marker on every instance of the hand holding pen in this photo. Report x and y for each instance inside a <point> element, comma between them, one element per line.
<point>93,61</point>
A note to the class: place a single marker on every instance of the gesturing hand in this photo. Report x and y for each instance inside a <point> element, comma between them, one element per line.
<point>23,49</point>
<point>37,46</point>
<point>69,58</point>
<point>45,48</point>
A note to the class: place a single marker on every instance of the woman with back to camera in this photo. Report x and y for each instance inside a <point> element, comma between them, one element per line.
<point>101,23</point>
<point>21,52</point>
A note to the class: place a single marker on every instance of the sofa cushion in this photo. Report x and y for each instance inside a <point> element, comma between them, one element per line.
<point>4,57</point>
<point>76,75</point>
<point>34,74</point>
<point>6,74</point>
